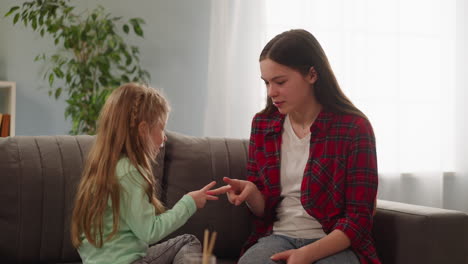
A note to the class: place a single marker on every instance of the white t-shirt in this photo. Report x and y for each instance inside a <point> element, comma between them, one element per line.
<point>293,220</point>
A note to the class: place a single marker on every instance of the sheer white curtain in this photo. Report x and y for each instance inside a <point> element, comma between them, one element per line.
<point>234,95</point>
<point>459,183</point>
<point>404,64</point>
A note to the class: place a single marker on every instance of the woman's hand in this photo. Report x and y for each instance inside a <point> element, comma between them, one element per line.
<point>237,190</point>
<point>293,256</point>
<point>201,195</point>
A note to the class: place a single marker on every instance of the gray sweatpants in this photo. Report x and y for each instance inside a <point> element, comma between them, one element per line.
<point>171,251</point>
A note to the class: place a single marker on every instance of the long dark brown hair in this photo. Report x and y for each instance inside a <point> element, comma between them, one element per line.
<point>117,135</point>
<point>299,50</point>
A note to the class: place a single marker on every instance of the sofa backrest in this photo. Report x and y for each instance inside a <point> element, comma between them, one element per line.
<point>38,179</point>
<point>192,162</point>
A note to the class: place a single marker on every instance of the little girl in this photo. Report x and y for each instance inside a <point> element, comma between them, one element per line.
<point>117,214</point>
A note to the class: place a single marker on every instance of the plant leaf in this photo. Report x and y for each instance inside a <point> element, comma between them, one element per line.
<point>58,92</point>
<point>34,24</point>
<point>15,19</point>
<point>125,78</point>
<point>68,10</point>
<point>51,79</point>
<point>68,78</point>
<point>58,72</point>
<point>138,30</point>
<point>13,9</point>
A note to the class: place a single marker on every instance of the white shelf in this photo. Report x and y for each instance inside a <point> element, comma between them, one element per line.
<point>8,102</point>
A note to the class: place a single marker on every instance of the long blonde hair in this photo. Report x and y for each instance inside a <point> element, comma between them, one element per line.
<point>117,135</point>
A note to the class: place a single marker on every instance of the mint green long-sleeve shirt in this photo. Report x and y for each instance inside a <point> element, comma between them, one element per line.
<point>139,225</point>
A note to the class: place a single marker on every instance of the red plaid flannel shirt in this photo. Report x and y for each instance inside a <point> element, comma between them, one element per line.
<point>339,186</point>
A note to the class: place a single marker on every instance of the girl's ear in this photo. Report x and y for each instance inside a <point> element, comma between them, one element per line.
<point>143,129</point>
<point>312,75</point>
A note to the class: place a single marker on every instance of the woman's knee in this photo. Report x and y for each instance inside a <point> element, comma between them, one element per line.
<point>262,251</point>
<point>344,257</point>
<point>256,256</point>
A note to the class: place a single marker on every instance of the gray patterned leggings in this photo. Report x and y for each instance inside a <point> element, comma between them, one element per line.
<point>171,251</point>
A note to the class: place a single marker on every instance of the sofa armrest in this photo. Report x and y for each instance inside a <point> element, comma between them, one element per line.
<point>407,233</point>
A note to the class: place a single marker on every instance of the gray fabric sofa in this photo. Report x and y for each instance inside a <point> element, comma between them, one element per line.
<point>39,176</point>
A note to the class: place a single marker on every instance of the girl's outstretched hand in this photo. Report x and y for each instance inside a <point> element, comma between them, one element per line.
<point>237,190</point>
<point>201,195</point>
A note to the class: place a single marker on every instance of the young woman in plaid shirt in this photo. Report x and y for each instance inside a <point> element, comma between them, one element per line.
<point>312,168</point>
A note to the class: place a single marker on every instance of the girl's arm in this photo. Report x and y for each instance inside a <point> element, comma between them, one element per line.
<point>140,215</point>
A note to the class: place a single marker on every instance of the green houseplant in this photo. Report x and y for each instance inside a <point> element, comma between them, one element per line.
<point>92,57</point>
